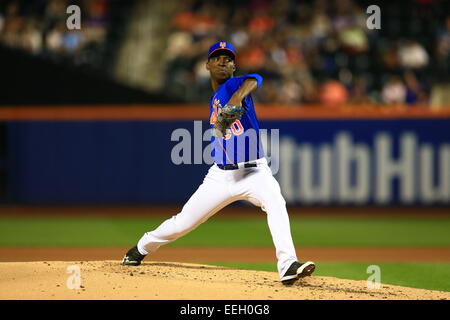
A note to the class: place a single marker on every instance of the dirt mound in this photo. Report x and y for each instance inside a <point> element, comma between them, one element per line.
<point>176,281</point>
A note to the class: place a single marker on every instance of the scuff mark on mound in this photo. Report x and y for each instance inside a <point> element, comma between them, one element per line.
<point>179,281</point>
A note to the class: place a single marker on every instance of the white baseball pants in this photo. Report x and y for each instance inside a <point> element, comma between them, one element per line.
<point>220,188</point>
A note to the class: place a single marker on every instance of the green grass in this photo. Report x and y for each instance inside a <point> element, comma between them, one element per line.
<point>227,232</point>
<point>433,276</point>
<point>220,231</point>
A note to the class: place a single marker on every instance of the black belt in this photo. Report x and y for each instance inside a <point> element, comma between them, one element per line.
<point>235,166</point>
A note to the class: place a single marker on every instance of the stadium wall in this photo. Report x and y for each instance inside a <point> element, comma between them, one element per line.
<point>126,156</point>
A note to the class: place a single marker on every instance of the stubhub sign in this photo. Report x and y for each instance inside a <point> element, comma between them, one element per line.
<point>365,165</point>
<point>317,162</point>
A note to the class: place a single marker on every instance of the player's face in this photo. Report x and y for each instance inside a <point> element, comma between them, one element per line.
<point>221,67</point>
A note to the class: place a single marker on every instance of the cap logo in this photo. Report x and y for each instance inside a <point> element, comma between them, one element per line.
<point>223,44</point>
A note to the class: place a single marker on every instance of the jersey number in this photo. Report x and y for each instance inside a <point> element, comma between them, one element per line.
<point>237,129</point>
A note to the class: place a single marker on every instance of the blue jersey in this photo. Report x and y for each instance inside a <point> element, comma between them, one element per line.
<point>242,141</point>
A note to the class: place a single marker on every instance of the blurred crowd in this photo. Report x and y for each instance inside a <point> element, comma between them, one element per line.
<point>308,51</point>
<point>39,26</point>
<point>314,51</point>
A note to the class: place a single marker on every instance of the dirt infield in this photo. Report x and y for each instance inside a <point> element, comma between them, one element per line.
<point>229,254</point>
<point>175,281</point>
<point>25,275</point>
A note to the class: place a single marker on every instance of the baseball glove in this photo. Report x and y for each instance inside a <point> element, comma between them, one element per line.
<point>227,116</point>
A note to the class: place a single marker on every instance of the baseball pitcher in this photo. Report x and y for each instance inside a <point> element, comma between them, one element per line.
<point>239,172</point>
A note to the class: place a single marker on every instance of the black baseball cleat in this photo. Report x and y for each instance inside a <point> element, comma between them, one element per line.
<point>298,270</point>
<point>133,257</point>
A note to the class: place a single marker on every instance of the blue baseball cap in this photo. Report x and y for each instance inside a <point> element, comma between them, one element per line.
<point>222,45</point>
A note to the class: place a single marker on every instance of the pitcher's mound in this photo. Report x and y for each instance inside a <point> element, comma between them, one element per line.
<point>177,281</point>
